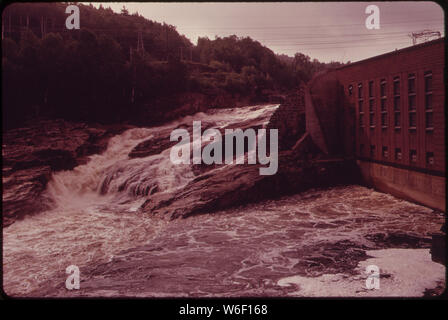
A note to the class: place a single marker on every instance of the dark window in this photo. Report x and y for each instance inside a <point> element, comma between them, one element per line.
<point>361,149</point>
<point>360,91</point>
<point>397,119</point>
<point>428,102</point>
<point>413,156</point>
<point>412,120</point>
<point>372,119</point>
<point>385,152</point>
<point>360,102</point>
<point>371,105</point>
<point>411,83</point>
<point>396,86</point>
<point>350,90</point>
<point>429,120</point>
<point>372,151</point>
<point>383,88</point>
<point>383,105</point>
<point>397,103</point>
<point>384,119</point>
<point>398,154</point>
<point>412,102</point>
<point>361,120</point>
<point>430,158</point>
<point>370,89</point>
<point>428,81</point>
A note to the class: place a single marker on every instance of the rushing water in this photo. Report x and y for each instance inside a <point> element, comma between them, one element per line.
<point>88,225</point>
<point>270,248</point>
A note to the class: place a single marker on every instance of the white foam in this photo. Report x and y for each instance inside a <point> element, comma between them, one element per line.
<point>406,273</point>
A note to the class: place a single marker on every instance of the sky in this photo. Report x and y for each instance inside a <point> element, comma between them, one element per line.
<point>322,30</point>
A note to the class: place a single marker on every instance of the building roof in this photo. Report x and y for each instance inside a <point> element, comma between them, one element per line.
<point>417,46</point>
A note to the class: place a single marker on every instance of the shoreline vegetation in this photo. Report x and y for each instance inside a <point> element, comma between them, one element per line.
<point>124,68</point>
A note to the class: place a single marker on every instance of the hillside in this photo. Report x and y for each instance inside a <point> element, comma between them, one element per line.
<point>125,68</point>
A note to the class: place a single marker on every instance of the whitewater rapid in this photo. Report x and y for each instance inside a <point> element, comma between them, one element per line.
<point>88,225</point>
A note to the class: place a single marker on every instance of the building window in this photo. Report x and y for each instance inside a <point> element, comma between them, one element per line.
<point>385,152</point>
<point>371,105</point>
<point>430,158</point>
<point>428,81</point>
<point>350,90</point>
<point>370,89</point>
<point>397,105</point>
<point>413,156</point>
<point>383,105</point>
<point>398,154</point>
<point>396,86</point>
<point>429,120</point>
<point>383,88</point>
<point>361,149</point>
<point>372,151</point>
<point>411,83</point>
<point>384,119</point>
<point>372,119</point>
<point>397,120</point>
<point>412,102</point>
<point>412,120</point>
<point>360,106</point>
<point>428,102</point>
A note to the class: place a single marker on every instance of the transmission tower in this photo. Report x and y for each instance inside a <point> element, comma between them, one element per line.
<point>425,35</point>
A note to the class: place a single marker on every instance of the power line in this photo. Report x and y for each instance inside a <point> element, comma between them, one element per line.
<point>314,26</point>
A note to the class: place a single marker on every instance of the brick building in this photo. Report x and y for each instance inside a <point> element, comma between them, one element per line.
<point>393,119</point>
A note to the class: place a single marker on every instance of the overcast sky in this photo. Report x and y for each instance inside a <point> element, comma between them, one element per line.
<point>325,31</point>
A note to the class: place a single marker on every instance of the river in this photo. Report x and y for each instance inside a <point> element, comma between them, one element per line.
<point>271,248</point>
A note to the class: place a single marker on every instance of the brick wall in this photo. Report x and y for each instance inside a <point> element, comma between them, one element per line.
<point>391,115</point>
<point>379,127</point>
<point>289,119</point>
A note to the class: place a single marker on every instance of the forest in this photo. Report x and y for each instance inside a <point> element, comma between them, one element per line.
<point>122,67</point>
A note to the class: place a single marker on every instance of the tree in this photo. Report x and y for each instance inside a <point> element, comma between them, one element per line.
<point>124,11</point>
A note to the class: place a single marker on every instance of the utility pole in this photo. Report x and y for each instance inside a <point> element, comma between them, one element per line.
<point>134,77</point>
<point>166,42</point>
<point>140,47</point>
<point>42,26</point>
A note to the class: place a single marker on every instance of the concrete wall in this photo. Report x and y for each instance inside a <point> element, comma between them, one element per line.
<point>329,118</point>
<point>419,187</point>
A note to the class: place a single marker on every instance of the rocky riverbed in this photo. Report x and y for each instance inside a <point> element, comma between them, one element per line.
<point>110,201</point>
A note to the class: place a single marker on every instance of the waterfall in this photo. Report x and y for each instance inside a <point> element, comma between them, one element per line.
<point>96,204</point>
